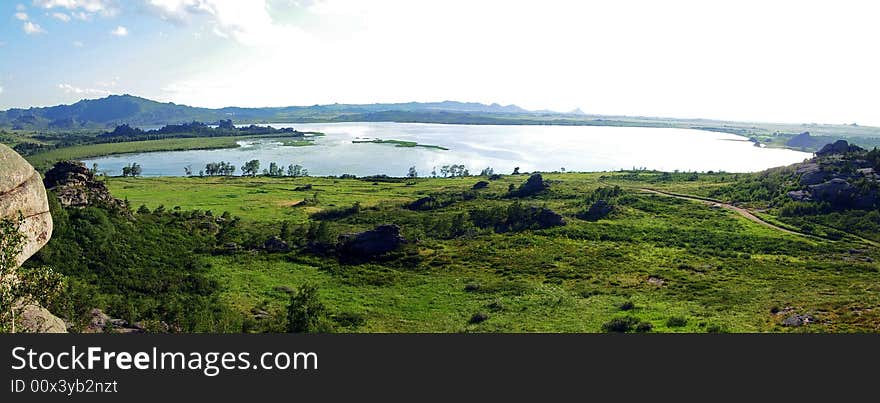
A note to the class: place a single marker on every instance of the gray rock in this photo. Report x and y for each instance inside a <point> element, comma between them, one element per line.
<point>838,147</point>
<point>22,193</point>
<point>547,218</point>
<point>798,320</point>
<point>76,186</point>
<point>534,185</point>
<point>600,209</point>
<point>799,195</point>
<point>276,245</point>
<point>378,241</point>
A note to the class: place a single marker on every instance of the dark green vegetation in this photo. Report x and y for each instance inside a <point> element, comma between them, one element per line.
<point>518,253</point>
<point>90,116</point>
<point>400,143</point>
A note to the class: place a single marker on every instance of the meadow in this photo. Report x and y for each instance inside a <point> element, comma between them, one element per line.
<point>654,263</point>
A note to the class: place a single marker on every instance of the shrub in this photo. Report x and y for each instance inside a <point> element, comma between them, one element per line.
<point>306,313</point>
<point>472,287</point>
<point>627,306</point>
<point>479,317</point>
<point>676,321</point>
<point>349,319</point>
<point>496,306</point>
<point>644,327</point>
<point>620,325</point>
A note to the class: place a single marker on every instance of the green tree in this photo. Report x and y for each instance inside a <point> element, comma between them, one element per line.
<point>306,313</point>
<point>412,173</point>
<point>251,168</point>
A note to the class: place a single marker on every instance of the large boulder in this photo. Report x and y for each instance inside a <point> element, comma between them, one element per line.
<point>546,218</point>
<point>375,242</point>
<point>76,186</point>
<point>22,193</point>
<point>838,147</point>
<point>599,210</point>
<point>276,245</point>
<point>841,194</point>
<point>534,185</point>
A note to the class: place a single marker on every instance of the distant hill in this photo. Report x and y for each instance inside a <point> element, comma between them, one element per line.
<point>127,109</point>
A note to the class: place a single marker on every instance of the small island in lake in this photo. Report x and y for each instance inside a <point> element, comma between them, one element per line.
<point>400,143</point>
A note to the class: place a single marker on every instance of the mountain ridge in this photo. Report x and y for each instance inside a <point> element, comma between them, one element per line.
<point>129,109</point>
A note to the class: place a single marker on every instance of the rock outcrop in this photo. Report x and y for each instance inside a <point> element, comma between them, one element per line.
<point>276,245</point>
<point>76,186</point>
<point>598,210</point>
<point>546,218</point>
<point>22,192</point>
<point>838,147</point>
<point>534,185</point>
<point>22,195</point>
<point>375,242</point>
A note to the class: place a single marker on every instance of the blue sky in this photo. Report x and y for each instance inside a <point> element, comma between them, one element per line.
<point>788,61</point>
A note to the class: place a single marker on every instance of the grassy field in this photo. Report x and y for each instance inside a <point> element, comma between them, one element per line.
<point>680,266</point>
<point>46,159</point>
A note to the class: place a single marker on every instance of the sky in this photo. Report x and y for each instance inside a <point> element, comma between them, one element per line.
<point>774,61</point>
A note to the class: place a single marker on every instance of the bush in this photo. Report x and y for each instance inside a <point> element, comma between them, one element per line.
<point>620,325</point>
<point>349,319</point>
<point>627,306</point>
<point>644,327</point>
<point>306,313</point>
<point>676,321</point>
<point>479,317</point>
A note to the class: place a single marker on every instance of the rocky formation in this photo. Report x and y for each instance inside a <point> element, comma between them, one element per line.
<point>375,242</point>
<point>840,176</point>
<point>546,218</point>
<point>276,245</point>
<point>803,140</point>
<point>838,147</point>
<point>598,210</point>
<point>534,185</point>
<point>22,192</point>
<point>22,195</point>
<point>76,186</point>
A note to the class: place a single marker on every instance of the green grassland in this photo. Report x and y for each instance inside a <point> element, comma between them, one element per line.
<point>679,265</point>
<point>46,159</point>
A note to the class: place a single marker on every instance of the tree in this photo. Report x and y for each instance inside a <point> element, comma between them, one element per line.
<point>94,168</point>
<point>188,170</point>
<point>19,288</point>
<point>295,170</point>
<point>306,313</point>
<point>251,168</point>
<point>444,170</point>
<point>412,173</point>
<point>488,171</point>
<point>126,171</point>
<point>135,169</point>
<point>516,171</point>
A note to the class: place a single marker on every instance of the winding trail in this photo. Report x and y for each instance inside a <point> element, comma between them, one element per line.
<point>748,214</point>
<point>739,210</point>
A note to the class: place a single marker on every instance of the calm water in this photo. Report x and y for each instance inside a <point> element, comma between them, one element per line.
<point>532,148</point>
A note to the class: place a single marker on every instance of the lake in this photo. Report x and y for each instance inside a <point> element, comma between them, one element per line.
<point>531,148</point>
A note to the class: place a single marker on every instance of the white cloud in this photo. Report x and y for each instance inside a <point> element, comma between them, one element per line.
<point>70,89</point>
<point>61,17</point>
<point>1,89</point>
<point>248,22</point>
<point>107,8</point>
<point>21,16</point>
<point>31,28</point>
<point>119,31</point>
<point>78,44</point>
<point>20,7</point>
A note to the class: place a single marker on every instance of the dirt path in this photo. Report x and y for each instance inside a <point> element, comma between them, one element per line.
<point>739,210</point>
